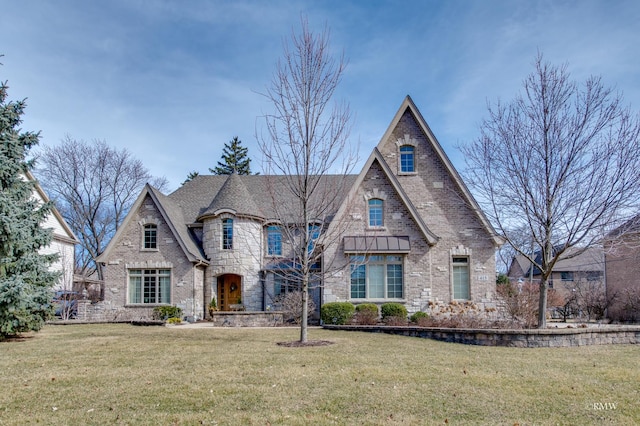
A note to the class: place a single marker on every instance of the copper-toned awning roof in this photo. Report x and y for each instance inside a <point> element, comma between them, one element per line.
<point>377,244</point>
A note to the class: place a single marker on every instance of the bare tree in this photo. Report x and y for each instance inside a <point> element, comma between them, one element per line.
<point>560,160</point>
<point>306,141</point>
<point>93,186</point>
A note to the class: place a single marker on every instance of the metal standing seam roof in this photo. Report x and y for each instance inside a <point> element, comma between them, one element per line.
<point>377,244</point>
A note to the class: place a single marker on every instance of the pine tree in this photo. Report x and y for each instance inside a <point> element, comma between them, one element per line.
<point>234,159</point>
<point>25,276</point>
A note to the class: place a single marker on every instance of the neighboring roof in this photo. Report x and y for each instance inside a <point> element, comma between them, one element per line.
<point>408,104</point>
<point>629,227</point>
<point>68,236</point>
<point>585,260</point>
<point>377,244</point>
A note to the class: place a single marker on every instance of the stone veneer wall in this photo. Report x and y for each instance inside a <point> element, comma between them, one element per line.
<point>247,319</point>
<point>548,338</point>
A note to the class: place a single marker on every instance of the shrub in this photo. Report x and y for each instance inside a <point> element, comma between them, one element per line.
<point>337,313</point>
<point>366,314</point>
<point>174,320</point>
<point>416,317</point>
<point>393,310</point>
<point>165,312</point>
<point>291,306</point>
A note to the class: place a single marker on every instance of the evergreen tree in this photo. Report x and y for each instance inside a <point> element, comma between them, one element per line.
<point>192,175</point>
<point>234,159</point>
<point>25,276</point>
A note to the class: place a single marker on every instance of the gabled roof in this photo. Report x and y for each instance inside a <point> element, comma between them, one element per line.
<point>172,215</point>
<point>408,104</point>
<point>376,156</point>
<point>576,259</point>
<point>69,234</point>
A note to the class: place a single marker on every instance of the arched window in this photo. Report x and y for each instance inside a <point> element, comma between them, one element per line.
<point>150,236</point>
<point>407,159</point>
<point>375,212</point>
<point>227,234</point>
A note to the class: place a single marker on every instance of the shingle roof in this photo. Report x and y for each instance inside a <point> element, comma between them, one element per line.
<point>234,196</point>
<point>263,196</point>
<point>584,260</point>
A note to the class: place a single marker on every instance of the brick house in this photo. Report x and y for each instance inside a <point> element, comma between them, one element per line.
<point>405,229</point>
<point>622,261</point>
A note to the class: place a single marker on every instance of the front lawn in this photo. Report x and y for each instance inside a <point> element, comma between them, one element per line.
<point>123,374</point>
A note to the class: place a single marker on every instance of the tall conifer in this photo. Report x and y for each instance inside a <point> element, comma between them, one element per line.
<point>234,159</point>
<point>25,276</point>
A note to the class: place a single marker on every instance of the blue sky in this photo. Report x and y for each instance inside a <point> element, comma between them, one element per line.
<point>173,81</point>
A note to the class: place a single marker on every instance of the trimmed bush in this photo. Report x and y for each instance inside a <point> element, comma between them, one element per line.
<point>337,313</point>
<point>366,314</point>
<point>416,317</point>
<point>393,310</point>
<point>165,312</point>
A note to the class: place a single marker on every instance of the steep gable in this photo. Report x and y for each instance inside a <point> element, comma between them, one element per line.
<point>173,217</point>
<point>434,186</point>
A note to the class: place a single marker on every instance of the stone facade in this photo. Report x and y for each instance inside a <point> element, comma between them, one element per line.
<point>428,207</point>
<point>548,338</point>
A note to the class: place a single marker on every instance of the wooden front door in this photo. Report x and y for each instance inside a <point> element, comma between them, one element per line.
<point>229,291</point>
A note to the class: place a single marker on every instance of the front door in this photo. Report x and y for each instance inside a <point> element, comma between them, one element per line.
<point>229,291</point>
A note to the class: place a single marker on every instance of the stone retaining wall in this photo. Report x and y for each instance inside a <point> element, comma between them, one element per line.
<point>247,319</point>
<point>559,337</point>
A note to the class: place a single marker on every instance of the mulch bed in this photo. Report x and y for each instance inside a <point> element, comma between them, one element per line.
<point>308,343</point>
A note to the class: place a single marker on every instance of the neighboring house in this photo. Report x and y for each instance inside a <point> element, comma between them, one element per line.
<point>622,259</point>
<point>409,231</point>
<point>63,241</point>
<point>587,265</point>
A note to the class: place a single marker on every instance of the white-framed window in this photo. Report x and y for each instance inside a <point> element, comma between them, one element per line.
<point>377,277</point>
<point>376,212</point>
<point>274,240</point>
<point>461,279</point>
<point>227,234</point>
<point>150,237</point>
<point>150,286</point>
<point>407,159</point>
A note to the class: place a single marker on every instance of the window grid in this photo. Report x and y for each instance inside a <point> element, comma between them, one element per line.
<point>274,241</point>
<point>375,212</point>
<point>227,234</point>
<point>150,236</point>
<point>407,164</point>
<point>377,277</point>
<point>150,286</point>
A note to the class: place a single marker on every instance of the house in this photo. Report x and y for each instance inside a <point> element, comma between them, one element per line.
<point>405,229</point>
<point>577,265</point>
<point>63,240</point>
<point>622,261</point>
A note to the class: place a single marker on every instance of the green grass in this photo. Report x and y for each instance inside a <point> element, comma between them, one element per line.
<point>122,374</point>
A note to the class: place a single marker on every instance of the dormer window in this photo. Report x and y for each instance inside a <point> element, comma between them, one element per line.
<point>227,234</point>
<point>150,237</point>
<point>407,159</point>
